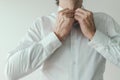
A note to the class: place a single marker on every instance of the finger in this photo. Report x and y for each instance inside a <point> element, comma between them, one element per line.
<point>86,16</point>
<point>62,11</point>
<point>80,14</point>
<point>84,11</point>
<point>80,10</point>
<point>80,17</point>
<point>69,11</point>
<point>77,17</point>
<point>69,14</point>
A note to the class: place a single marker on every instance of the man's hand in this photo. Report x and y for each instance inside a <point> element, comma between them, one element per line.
<point>64,23</point>
<point>86,21</point>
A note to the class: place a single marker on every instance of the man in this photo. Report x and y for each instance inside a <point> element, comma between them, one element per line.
<point>72,44</point>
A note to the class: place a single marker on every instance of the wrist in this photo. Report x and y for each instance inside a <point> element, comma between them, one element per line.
<point>91,35</point>
<point>59,37</point>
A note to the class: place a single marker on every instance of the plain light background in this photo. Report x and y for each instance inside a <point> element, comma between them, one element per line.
<point>16,16</point>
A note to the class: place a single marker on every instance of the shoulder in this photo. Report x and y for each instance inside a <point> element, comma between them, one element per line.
<point>43,24</point>
<point>105,23</point>
<point>103,19</point>
<point>45,19</point>
<point>40,20</point>
<point>102,16</point>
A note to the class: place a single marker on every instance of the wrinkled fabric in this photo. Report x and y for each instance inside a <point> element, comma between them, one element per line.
<point>76,58</point>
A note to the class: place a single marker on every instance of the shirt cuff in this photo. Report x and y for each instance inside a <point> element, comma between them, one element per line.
<point>99,40</point>
<point>51,42</point>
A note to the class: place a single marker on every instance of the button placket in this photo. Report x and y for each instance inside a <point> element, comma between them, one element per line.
<point>73,62</point>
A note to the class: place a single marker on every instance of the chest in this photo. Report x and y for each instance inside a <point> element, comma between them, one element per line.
<point>75,49</point>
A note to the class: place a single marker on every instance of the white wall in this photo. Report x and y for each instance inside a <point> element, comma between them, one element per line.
<point>17,15</point>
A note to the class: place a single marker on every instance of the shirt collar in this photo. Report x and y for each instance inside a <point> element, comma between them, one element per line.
<point>60,8</point>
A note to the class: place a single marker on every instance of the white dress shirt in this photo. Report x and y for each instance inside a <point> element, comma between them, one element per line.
<point>76,58</point>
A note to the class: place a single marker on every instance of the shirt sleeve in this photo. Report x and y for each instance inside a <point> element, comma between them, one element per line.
<point>31,52</point>
<point>108,45</point>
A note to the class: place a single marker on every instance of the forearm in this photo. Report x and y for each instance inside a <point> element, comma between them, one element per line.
<point>106,46</point>
<point>27,60</point>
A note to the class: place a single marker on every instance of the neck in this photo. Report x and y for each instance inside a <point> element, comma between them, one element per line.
<point>71,5</point>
